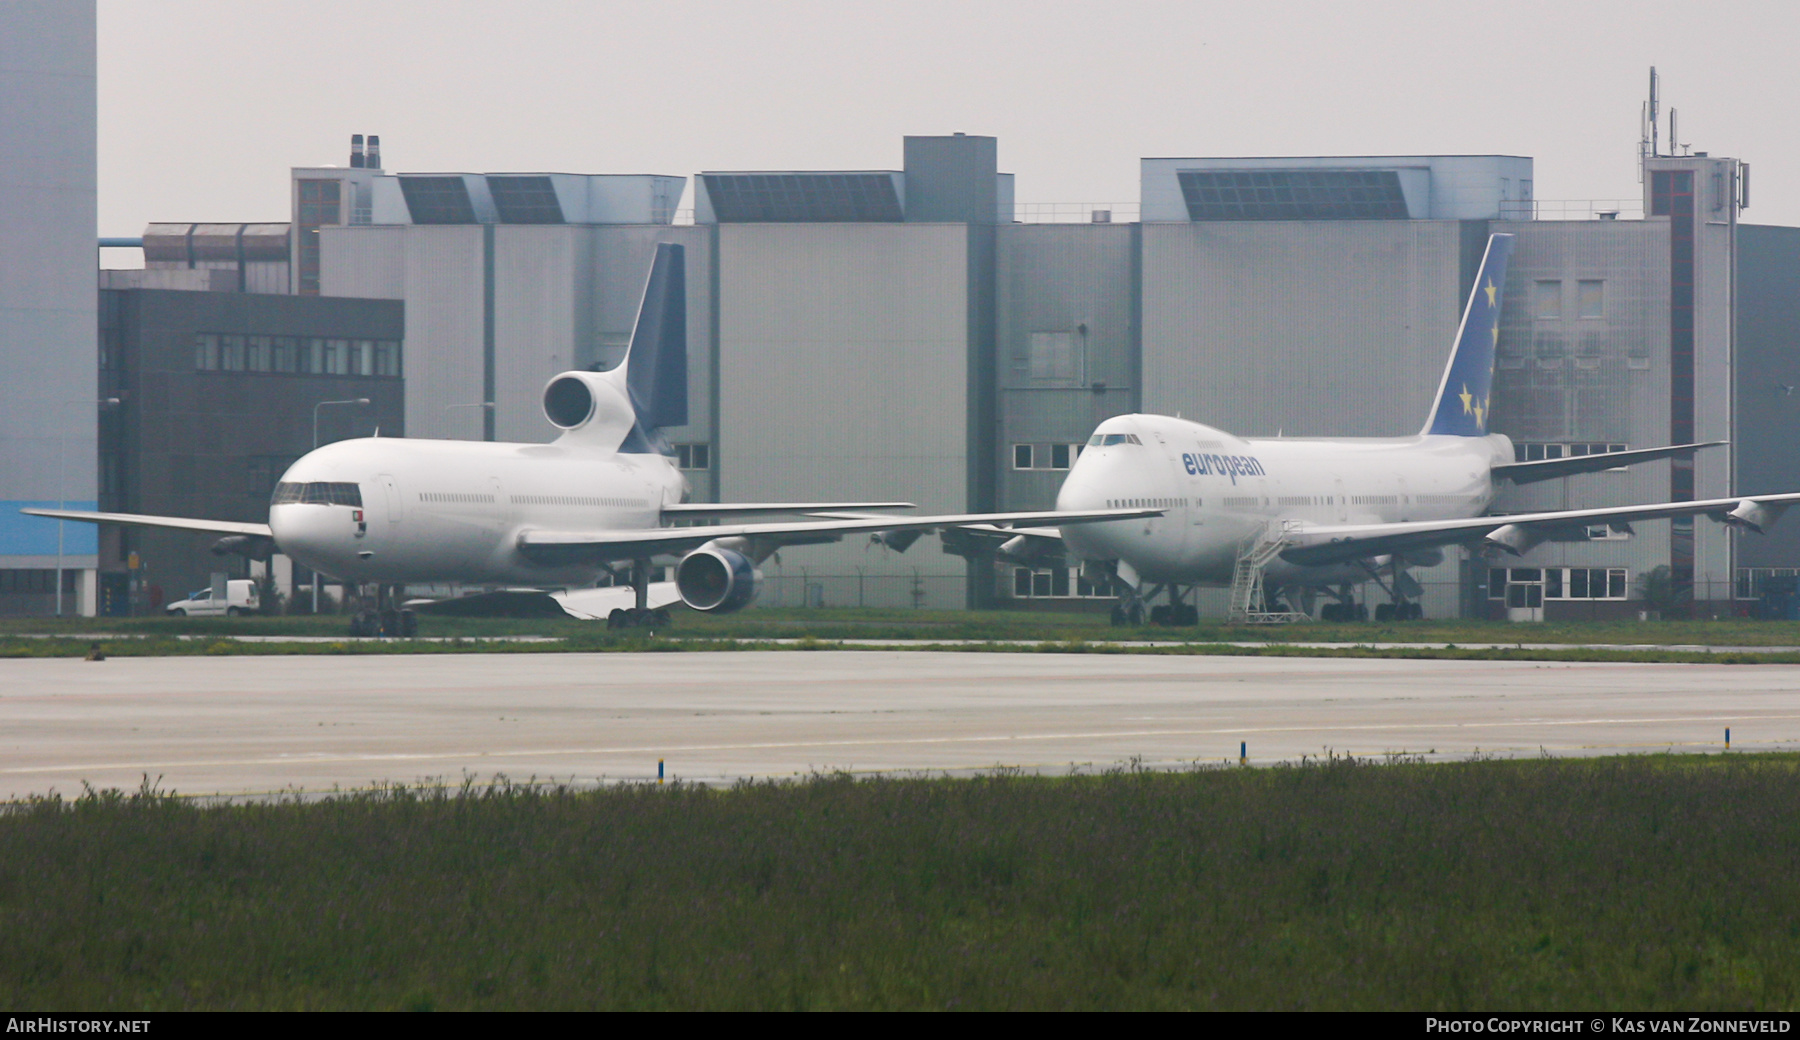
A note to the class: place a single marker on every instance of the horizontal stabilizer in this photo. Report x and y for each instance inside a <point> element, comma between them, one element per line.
<point>1550,469</point>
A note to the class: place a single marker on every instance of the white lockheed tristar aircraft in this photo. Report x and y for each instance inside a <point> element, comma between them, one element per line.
<point>599,500</point>
<point>1284,518</point>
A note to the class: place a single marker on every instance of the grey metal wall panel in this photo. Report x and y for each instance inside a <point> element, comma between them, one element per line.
<point>364,262</point>
<point>1314,329</point>
<point>48,414</point>
<point>443,276</point>
<point>1572,379</point>
<point>1768,384</point>
<point>1061,279</point>
<point>543,290</point>
<point>843,366</point>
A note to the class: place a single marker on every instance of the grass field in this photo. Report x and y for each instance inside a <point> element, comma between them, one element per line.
<point>1623,883</point>
<point>25,637</point>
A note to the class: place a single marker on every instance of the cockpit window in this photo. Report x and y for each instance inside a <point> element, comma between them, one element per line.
<point>1101,440</point>
<point>318,493</point>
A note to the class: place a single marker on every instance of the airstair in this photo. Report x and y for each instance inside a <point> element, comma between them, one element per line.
<point>1248,606</point>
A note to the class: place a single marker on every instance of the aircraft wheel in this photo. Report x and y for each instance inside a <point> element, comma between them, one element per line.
<point>1386,611</point>
<point>1135,614</point>
<point>659,617</point>
<point>618,619</point>
<point>1331,612</point>
<point>1412,612</point>
<point>1362,612</point>
<point>409,624</point>
<point>1160,616</point>
<point>1118,616</point>
<point>1190,615</point>
<point>390,623</point>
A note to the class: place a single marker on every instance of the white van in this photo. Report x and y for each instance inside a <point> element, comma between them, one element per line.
<point>240,598</point>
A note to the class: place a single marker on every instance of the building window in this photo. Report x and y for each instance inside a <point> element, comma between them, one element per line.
<point>206,352</point>
<point>258,354</point>
<point>337,357</point>
<point>1590,298</point>
<point>1757,582</point>
<point>319,205</point>
<point>1045,456</point>
<point>231,353</point>
<point>693,456</point>
<point>387,357</point>
<point>282,351</point>
<point>1058,583</point>
<point>1546,300</point>
<point>1530,586</point>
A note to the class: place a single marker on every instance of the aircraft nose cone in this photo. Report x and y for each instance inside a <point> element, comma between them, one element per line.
<point>306,534</point>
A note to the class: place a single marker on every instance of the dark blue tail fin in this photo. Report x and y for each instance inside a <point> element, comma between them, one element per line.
<point>1461,408</point>
<point>656,375</point>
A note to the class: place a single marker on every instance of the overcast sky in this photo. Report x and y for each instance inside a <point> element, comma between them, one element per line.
<point>204,104</point>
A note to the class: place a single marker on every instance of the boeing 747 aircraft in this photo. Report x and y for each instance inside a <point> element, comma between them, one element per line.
<point>599,500</point>
<point>1285,518</point>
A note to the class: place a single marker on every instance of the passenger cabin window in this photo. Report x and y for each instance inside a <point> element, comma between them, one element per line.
<point>318,493</point>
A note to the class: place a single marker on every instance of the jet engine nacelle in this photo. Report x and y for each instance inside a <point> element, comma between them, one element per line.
<point>589,404</point>
<point>1753,515</point>
<point>1511,538</point>
<point>717,580</point>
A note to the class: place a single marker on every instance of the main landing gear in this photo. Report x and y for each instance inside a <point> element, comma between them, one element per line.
<point>1401,611</point>
<point>1129,611</point>
<point>385,619</point>
<point>639,616</point>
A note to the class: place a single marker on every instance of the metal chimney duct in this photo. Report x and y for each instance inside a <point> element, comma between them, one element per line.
<point>356,151</point>
<point>373,159</point>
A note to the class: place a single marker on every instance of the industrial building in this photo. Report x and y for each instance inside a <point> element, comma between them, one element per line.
<point>908,333</point>
<point>892,333</point>
<point>48,386</point>
<point>217,393</point>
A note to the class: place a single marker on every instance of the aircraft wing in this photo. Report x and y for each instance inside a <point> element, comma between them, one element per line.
<point>1550,469</point>
<point>570,546</point>
<point>728,510</point>
<point>179,523</point>
<point>1316,545</point>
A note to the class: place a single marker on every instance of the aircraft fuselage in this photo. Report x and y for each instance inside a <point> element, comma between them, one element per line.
<point>452,511</point>
<point>1221,491</point>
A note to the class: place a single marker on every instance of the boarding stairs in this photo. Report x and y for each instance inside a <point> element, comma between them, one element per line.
<point>1248,605</point>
